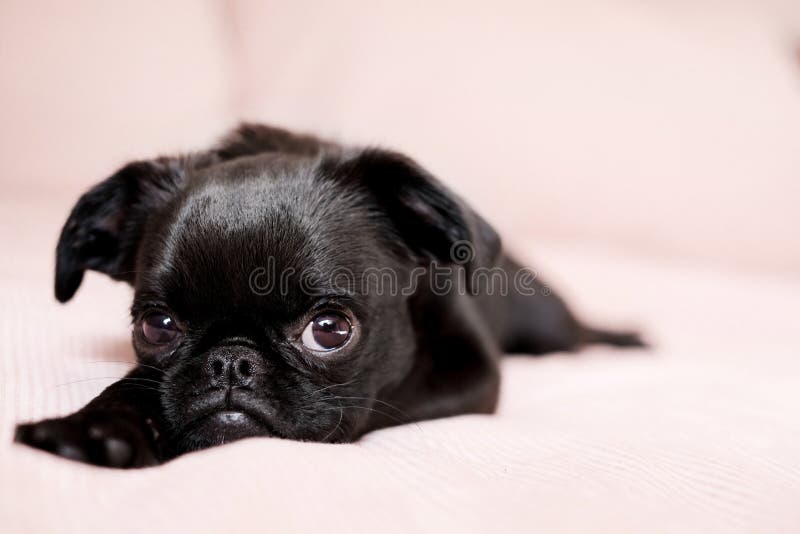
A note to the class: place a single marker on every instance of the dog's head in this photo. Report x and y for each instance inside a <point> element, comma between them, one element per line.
<point>274,286</point>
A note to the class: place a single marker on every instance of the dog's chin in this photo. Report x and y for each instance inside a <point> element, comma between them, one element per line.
<point>226,426</point>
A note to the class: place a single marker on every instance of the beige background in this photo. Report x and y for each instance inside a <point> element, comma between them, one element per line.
<point>667,127</point>
<point>643,154</point>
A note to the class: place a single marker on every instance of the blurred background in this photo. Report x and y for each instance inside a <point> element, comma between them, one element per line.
<point>643,154</point>
<point>667,127</point>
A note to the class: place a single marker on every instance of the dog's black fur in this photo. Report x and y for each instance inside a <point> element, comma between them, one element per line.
<point>188,233</point>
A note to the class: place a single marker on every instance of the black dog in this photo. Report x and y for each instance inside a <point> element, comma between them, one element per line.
<point>287,286</point>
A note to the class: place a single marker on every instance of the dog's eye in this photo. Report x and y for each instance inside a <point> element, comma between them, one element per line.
<point>159,328</point>
<point>326,332</point>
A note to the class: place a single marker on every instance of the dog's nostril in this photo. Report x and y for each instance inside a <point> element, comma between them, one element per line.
<point>229,368</point>
<point>244,367</point>
<point>217,367</point>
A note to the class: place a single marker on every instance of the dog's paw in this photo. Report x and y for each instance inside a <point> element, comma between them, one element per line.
<point>99,438</point>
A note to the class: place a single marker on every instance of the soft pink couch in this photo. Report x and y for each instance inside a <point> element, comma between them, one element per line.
<point>645,157</point>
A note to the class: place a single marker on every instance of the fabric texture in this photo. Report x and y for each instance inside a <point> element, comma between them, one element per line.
<point>643,158</point>
<point>697,434</point>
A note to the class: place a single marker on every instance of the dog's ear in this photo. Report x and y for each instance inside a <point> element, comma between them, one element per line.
<point>103,230</point>
<point>433,221</point>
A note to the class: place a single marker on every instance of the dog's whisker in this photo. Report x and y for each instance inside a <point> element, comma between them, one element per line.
<point>401,412</point>
<point>390,416</point>
<point>393,418</point>
<point>331,386</point>
<point>134,364</point>
<point>317,401</point>
<point>118,378</point>
<point>131,387</point>
<point>338,424</point>
<point>137,379</point>
<point>384,403</point>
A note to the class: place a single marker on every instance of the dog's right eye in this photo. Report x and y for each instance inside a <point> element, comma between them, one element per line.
<point>159,328</point>
<point>327,332</point>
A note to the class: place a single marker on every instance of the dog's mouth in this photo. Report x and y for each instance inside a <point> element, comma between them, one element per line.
<point>232,418</point>
<point>229,422</point>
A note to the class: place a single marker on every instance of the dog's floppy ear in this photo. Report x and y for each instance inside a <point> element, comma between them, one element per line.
<point>103,230</point>
<point>433,221</point>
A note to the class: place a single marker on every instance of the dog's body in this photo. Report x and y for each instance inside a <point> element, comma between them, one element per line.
<point>286,286</point>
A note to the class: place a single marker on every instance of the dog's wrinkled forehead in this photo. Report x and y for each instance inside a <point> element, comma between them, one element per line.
<point>236,231</point>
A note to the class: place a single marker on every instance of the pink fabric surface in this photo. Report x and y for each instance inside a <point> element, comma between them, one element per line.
<point>669,128</point>
<point>698,434</point>
<point>88,85</point>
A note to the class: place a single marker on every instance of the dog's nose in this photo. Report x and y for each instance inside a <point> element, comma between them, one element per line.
<point>230,367</point>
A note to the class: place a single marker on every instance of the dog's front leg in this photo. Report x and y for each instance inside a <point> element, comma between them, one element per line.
<point>119,428</point>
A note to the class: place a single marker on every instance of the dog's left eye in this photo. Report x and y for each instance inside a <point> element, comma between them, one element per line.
<point>326,332</point>
<point>159,328</point>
